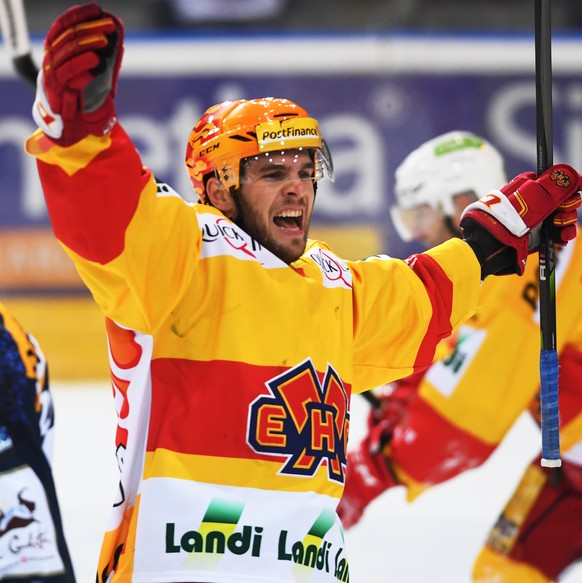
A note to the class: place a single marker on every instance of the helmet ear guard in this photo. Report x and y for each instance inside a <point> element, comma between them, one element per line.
<point>325,165</point>
<point>229,132</point>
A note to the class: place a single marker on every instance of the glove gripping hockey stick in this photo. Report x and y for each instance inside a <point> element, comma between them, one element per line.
<point>15,32</point>
<point>549,404</point>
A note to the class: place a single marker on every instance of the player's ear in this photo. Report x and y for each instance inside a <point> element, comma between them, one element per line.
<point>220,197</point>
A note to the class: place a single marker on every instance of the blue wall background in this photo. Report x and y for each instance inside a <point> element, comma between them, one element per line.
<point>371,120</point>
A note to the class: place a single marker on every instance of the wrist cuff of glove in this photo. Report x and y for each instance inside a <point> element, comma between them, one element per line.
<point>495,257</point>
<point>498,206</point>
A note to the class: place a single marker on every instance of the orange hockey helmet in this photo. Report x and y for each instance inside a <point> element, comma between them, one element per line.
<point>229,132</point>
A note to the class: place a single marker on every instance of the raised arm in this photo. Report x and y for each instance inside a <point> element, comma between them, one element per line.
<point>103,204</point>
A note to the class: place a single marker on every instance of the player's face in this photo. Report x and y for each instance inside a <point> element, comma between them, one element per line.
<point>275,202</point>
<point>430,226</point>
<point>427,225</point>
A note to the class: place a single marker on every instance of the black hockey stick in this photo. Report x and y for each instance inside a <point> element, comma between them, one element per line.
<point>15,32</point>
<point>549,404</point>
<point>374,401</point>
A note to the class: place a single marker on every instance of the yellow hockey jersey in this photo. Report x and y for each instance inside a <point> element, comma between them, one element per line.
<point>233,371</point>
<point>470,398</point>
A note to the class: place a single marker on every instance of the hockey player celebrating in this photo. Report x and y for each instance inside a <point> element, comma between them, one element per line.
<point>435,425</point>
<point>235,341</point>
<point>32,541</point>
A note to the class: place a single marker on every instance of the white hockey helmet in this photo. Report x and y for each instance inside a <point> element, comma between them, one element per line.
<point>439,169</point>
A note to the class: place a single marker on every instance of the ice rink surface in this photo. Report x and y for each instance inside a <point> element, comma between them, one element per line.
<point>432,540</point>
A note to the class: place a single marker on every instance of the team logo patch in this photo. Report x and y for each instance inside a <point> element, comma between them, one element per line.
<point>335,272</point>
<point>303,419</point>
<point>28,540</point>
<point>560,178</point>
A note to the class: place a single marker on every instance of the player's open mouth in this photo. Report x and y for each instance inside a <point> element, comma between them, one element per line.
<point>289,219</point>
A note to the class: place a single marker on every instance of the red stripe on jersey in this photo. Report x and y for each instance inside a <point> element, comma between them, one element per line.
<point>431,450</point>
<point>204,408</point>
<point>440,292</point>
<point>92,220</point>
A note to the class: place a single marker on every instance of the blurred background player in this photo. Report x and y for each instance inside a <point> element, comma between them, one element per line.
<point>431,427</point>
<point>32,542</point>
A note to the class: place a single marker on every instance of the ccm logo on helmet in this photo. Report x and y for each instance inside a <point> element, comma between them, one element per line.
<point>206,151</point>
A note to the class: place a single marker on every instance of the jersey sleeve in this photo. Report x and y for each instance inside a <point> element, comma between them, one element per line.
<point>119,237</point>
<point>405,308</point>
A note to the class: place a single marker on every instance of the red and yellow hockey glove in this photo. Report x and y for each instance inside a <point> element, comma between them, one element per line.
<point>78,79</point>
<point>499,226</point>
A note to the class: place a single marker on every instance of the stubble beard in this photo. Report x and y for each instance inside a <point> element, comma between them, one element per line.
<point>251,223</point>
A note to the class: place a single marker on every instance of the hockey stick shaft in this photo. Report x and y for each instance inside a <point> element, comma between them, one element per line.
<point>17,40</point>
<point>549,403</point>
<point>373,401</point>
